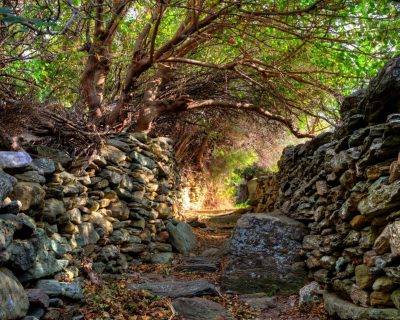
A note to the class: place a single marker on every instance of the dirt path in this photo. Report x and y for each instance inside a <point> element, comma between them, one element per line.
<point>159,292</point>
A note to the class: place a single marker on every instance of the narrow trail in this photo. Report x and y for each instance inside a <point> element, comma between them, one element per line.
<point>190,288</point>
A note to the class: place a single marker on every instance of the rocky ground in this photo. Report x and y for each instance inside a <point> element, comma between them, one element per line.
<point>189,288</point>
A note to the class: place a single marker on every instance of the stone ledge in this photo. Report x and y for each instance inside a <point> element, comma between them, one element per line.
<point>347,310</point>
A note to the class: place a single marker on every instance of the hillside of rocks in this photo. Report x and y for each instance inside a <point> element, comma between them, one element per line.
<point>344,186</point>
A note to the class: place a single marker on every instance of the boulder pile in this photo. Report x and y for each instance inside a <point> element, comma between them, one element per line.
<point>345,185</point>
<point>114,210</point>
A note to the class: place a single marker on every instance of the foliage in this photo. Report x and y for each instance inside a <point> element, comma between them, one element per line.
<point>226,173</point>
<point>291,58</point>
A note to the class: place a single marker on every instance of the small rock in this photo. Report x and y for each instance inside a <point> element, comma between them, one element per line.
<point>182,237</point>
<point>6,184</point>
<point>380,299</point>
<point>87,234</point>
<point>30,194</point>
<point>38,297</point>
<point>364,278</point>
<point>308,295</point>
<point>44,165</point>
<point>200,309</point>
<point>395,296</point>
<point>384,284</point>
<point>162,257</point>
<point>259,301</point>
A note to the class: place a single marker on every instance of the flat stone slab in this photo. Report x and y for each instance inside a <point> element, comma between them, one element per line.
<point>343,309</point>
<point>198,264</point>
<point>200,309</point>
<point>177,289</point>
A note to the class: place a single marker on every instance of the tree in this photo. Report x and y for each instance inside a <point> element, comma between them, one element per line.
<point>283,60</point>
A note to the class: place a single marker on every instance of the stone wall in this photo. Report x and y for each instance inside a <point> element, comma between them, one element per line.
<point>345,185</point>
<point>116,209</point>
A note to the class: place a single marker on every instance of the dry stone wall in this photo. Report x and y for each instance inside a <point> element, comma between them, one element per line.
<point>116,209</point>
<point>345,185</point>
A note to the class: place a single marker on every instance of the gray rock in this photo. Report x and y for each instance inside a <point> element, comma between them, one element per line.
<point>200,309</point>
<point>24,225</point>
<point>87,234</point>
<point>6,184</point>
<point>198,264</point>
<point>345,310</point>
<point>75,216</point>
<point>11,207</point>
<point>112,176</point>
<point>6,233</point>
<point>53,210</point>
<point>308,295</point>
<point>265,255</point>
<point>31,176</point>
<point>30,194</point>
<point>143,160</point>
<point>259,301</point>
<point>119,144</point>
<point>176,289</point>
<point>181,236</point>
<point>162,257</point>
<point>45,265</point>
<point>14,159</point>
<point>119,210</point>
<point>14,302</point>
<point>112,154</point>
<point>22,254</point>
<point>57,155</point>
<point>381,198</point>
<point>54,288</point>
<point>38,298</point>
<point>44,165</point>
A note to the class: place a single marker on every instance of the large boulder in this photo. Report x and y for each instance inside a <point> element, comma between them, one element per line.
<point>265,255</point>
<point>14,302</point>
<point>181,236</point>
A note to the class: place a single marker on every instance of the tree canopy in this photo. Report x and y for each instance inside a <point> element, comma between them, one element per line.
<point>124,63</point>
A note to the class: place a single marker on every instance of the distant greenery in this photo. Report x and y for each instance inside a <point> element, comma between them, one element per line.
<point>226,170</point>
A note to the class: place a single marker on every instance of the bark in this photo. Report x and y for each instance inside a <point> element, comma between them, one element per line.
<point>201,153</point>
<point>99,60</point>
<point>153,110</point>
<point>93,79</point>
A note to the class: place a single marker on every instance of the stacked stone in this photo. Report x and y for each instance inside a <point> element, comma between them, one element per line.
<point>116,209</point>
<point>346,185</point>
<point>262,192</point>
